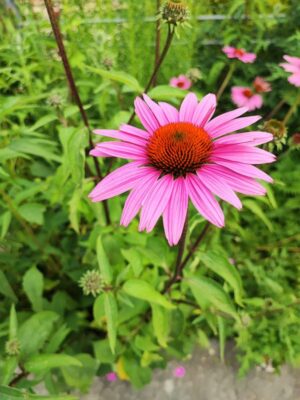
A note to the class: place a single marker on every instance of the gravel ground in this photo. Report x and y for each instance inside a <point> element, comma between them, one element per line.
<point>206,378</point>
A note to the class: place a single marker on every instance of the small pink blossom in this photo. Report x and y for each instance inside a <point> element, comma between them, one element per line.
<point>181,82</point>
<point>179,372</point>
<point>111,377</point>
<point>292,65</point>
<point>261,86</point>
<point>245,97</point>
<point>240,54</point>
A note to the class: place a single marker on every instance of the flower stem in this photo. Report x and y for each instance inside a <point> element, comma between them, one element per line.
<point>73,89</point>
<point>177,275</point>
<point>157,38</point>
<point>291,110</point>
<point>226,80</point>
<point>274,110</point>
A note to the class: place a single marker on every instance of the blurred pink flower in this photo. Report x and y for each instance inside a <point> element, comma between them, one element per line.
<point>181,82</point>
<point>111,377</point>
<point>245,97</point>
<point>179,372</point>
<point>261,86</point>
<point>292,65</point>
<point>180,155</point>
<point>231,260</point>
<point>240,54</point>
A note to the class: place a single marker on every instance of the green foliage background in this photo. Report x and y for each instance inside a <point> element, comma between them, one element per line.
<point>51,234</point>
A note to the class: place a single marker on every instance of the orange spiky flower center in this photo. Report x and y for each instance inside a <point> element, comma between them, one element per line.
<point>248,93</point>
<point>239,52</point>
<point>179,148</point>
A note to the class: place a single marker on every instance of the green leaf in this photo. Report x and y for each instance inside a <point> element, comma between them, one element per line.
<point>221,266</point>
<point>81,378</point>
<point>13,323</point>
<point>5,222</point>
<point>144,291</point>
<point>7,370</point>
<point>222,337</point>
<point>8,393</point>
<point>118,76</point>
<point>254,207</point>
<point>33,212</point>
<point>35,331</point>
<point>103,351</point>
<point>5,287</point>
<point>33,284</point>
<point>42,363</point>
<point>57,339</point>
<point>35,147</point>
<point>161,324</point>
<point>166,92</point>
<point>103,262</point>
<point>111,312</point>
<point>134,259</point>
<point>207,293</point>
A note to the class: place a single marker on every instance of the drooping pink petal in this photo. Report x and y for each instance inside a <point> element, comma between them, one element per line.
<point>237,182</point>
<point>242,153</point>
<point>175,212</point>
<point>156,109</point>
<point>156,202</point>
<point>290,67</point>
<point>214,125</point>
<point>119,181</point>
<point>232,126</point>
<point>188,107</point>
<point>204,201</point>
<point>204,110</point>
<point>248,57</point>
<point>251,138</point>
<point>126,137</point>
<point>135,198</point>
<point>119,149</point>
<point>145,115</point>
<point>218,186</point>
<point>170,112</point>
<point>245,169</point>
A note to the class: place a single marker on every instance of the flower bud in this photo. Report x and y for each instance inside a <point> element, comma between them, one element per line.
<point>174,12</point>
<point>12,347</point>
<point>91,283</point>
<point>277,128</point>
<point>194,74</point>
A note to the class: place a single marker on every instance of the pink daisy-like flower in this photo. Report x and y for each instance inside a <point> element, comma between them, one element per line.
<point>292,65</point>
<point>181,82</point>
<point>180,155</point>
<point>245,97</point>
<point>240,54</point>
<point>261,86</point>
<point>179,372</point>
<point>111,376</point>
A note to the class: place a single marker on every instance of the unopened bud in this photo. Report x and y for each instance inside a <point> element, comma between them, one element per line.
<point>12,347</point>
<point>91,283</point>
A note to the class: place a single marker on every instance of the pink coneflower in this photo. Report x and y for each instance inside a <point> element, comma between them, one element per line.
<point>292,65</point>
<point>179,372</point>
<point>261,86</point>
<point>182,155</point>
<point>181,82</point>
<point>111,377</point>
<point>245,97</point>
<point>240,54</point>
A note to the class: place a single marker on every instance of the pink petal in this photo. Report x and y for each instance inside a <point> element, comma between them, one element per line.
<point>175,213</point>
<point>237,182</point>
<point>119,181</point>
<point>126,137</point>
<point>292,60</point>
<point>135,198</point>
<point>188,107</point>
<point>204,201</point>
<point>157,111</point>
<point>170,112</point>
<point>246,170</point>
<point>119,149</point>
<point>290,67</point>
<point>255,102</point>
<point>132,130</point>
<point>242,153</point>
<point>251,138</point>
<point>145,115</point>
<point>294,79</point>
<point>218,186</point>
<point>205,110</point>
<point>248,57</point>
<point>214,125</point>
<point>229,51</point>
<point>156,202</point>
<point>232,126</point>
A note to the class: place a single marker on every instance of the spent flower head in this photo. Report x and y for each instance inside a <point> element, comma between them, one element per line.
<point>174,12</point>
<point>12,347</point>
<point>279,132</point>
<point>91,283</point>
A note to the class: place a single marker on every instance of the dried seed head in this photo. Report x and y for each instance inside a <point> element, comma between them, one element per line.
<point>277,128</point>
<point>91,283</point>
<point>12,347</point>
<point>55,100</point>
<point>174,12</point>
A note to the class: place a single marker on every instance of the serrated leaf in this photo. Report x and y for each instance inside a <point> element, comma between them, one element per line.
<point>42,363</point>
<point>144,291</point>
<point>33,283</point>
<point>111,312</point>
